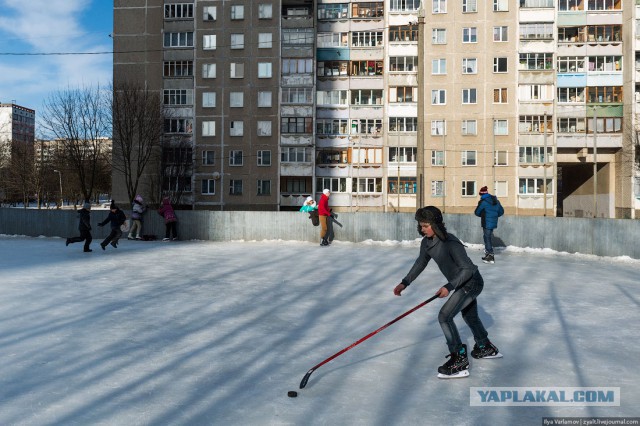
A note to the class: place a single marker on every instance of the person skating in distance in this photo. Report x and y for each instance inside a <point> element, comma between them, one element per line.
<point>464,285</point>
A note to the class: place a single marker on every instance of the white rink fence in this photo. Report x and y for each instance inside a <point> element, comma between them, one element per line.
<point>601,237</point>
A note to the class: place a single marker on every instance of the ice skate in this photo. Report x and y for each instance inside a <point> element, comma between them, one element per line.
<point>456,367</point>
<point>488,351</point>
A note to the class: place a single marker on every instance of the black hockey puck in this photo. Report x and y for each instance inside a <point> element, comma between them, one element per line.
<point>292,394</point>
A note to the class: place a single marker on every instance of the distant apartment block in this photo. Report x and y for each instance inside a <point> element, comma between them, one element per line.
<point>17,126</point>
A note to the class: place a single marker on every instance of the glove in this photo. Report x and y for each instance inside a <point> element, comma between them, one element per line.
<point>399,288</point>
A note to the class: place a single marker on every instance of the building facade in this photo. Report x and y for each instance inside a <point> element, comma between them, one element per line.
<point>17,126</point>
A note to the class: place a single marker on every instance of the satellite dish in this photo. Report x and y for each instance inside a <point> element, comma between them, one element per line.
<point>216,175</point>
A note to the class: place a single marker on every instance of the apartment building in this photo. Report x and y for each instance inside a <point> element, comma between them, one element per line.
<point>17,125</point>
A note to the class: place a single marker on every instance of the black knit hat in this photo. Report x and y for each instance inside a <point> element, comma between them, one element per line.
<point>433,216</point>
<point>113,205</point>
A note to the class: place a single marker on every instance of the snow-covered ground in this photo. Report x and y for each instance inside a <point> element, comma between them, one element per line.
<point>206,333</point>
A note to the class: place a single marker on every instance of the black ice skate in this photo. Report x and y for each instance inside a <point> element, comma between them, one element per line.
<point>489,259</point>
<point>488,351</point>
<point>456,367</point>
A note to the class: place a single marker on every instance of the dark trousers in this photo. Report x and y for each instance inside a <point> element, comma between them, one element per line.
<point>85,235</point>
<point>113,237</point>
<point>463,300</point>
<point>171,228</point>
<point>486,236</point>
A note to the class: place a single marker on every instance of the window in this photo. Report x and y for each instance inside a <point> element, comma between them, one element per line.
<point>438,127</point>
<point>571,94</point>
<point>536,61</point>
<point>178,69</point>
<point>264,187</point>
<point>236,99</point>
<point>500,5</point>
<point>178,11</point>
<point>367,10</point>
<point>237,12</point>
<point>367,155</point>
<point>237,41</point>
<point>468,188</point>
<point>367,38</point>
<point>332,156</point>
<point>297,36</point>
<point>501,34</point>
<point>500,95</point>
<point>209,42</point>
<point>332,184</point>
<point>333,11</point>
<point>236,128</point>
<point>208,158</point>
<point>439,6</point>
<point>438,97</point>
<point>437,188</point>
<point>439,66</point>
<point>208,187</point>
<point>366,185</point>
<point>294,185</point>
<point>264,69</point>
<point>536,31</point>
<point>237,70</point>
<point>264,128</point>
<point>437,158</point>
<point>178,125</point>
<point>296,154</point>
<point>534,124</point>
<point>402,154</point>
<point>331,126</point>
<point>604,5</point>
<point>300,95</point>
<point>265,41</point>
<point>235,158</point>
<point>605,63</point>
<point>605,125</point>
<point>500,65</point>
<point>402,185</point>
<point>469,96</point>
<point>403,33</point>
<point>235,187</point>
<point>265,11</point>
<point>208,99</point>
<point>572,125</point>
<point>177,97</point>
<point>500,127</point>
<point>208,128</point>
<point>469,66</point>
<point>332,97</point>
<point>534,155</point>
<point>264,99</point>
<point>366,97</point>
<point>264,158</point>
<point>438,36</point>
<point>366,126</point>
<point>469,127</point>
<point>210,13</point>
<point>297,66</point>
<point>328,40</point>
<point>208,70</point>
<point>529,186</point>
<point>536,92</point>
<point>404,5</point>
<point>298,125</point>
<point>403,63</point>
<point>332,68</point>
<point>403,124</point>
<point>469,6</point>
<point>178,39</point>
<point>470,35</point>
<point>469,158</point>
<point>569,64</point>
<point>403,94</point>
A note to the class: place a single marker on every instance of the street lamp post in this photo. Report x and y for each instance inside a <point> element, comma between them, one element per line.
<point>61,197</point>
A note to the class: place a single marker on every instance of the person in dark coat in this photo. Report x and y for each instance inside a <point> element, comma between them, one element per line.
<point>84,214</point>
<point>170,220</point>
<point>489,210</point>
<point>117,218</point>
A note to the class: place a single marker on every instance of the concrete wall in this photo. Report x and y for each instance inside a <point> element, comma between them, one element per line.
<point>602,237</point>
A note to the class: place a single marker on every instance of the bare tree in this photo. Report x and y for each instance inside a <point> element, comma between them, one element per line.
<point>177,167</point>
<point>80,120</point>
<point>19,175</point>
<point>138,116</point>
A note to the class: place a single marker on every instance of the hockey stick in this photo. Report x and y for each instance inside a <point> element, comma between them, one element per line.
<point>304,381</point>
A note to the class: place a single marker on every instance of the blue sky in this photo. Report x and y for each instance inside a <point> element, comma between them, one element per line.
<point>53,26</point>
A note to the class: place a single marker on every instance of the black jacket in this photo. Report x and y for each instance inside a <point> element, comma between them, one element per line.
<point>116,218</point>
<point>85,220</point>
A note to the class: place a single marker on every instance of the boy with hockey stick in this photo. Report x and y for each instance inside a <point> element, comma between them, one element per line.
<point>466,283</point>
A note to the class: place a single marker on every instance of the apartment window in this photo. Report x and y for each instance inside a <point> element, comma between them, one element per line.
<point>236,99</point>
<point>366,126</point>
<point>469,96</point>
<point>536,31</point>
<point>469,6</point>
<point>604,5</point>
<point>328,40</point>
<point>439,6</point>
<point>403,33</point>
<point>208,187</point>
<point>571,94</point>
<point>332,126</point>
<point>535,155</point>
<point>363,68</point>
<point>534,186</point>
<point>297,36</point>
<point>332,97</point>
<point>439,66</point>
<point>367,38</point>
<point>605,125</point>
<point>526,4</point>
<point>470,35</point>
<point>500,127</point>
<point>367,155</point>
<point>208,70</point>
<point>438,36</point>
<point>178,39</point>
<point>534,124</point>
<point>265,11</point>
<point>297,66</point>
<point>265,41</point>
<point>208,99</point>
<point>437,158</point>
<point>178,11</point>
<point>237,12</point>
<point>605,63</point>
<point>332,156</point>
<point>500,158</point>
<point>208,128</point>
<point>295,185</point>
<point>178,69</point>
<point>402,154</point>
<point>469,127</point>
<point>367,185</point>
<point>500,95</point>
<point>208,158</point>
<point>469,66</point>
<point>264,187</point>
<point>209,42</point>
<point>569,64</point>
<point>264,69</point>
<point>237,41</point>
<point>500,5</point>
<point>437,188</point>
<point>237,70</point>
<point>501,34</point>
<point>536,61</point>
<point>469,158</point>
<point>402,185</point>
<point>403,124</point>
<point>403,63</point>
<point>403,94</point>
<point>438,97</point>
<point>366,97</point>
<point>294,155</point>
<point>235,158</point>
<point>404,5</point>
<point>264,99</point>
<point>264,158</point>
<point>264,128</point>
<point>236,128</point>
<point>468,188</point>
<point>333,11</point>
<point>536,92</point>
<point>210,13</point>
<point>235,187</point>
<point>332,184</point>
<point>297,124</point>
<point>500,65</point>
<point>178,125</point>
<point>177,97</point>
<point>572,125</point>
<point>438,127</point>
